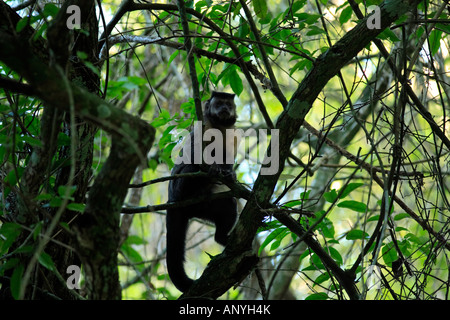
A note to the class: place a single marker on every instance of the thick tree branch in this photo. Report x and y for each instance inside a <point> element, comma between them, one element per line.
<point>15,86</point>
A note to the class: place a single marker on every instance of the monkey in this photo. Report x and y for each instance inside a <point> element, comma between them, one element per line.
<point>219,113</point>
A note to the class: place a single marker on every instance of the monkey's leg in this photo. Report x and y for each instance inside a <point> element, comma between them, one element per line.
<point>225,217</point>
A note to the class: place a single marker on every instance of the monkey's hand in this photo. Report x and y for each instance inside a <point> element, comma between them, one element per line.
<point>225,171</point>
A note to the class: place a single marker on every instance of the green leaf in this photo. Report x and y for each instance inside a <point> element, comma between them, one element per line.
<point>43,197</point>
<point>292,203</point>
<point>70,191</point>
<point>435,41</point>
<point>356,235</point>
<point>78,207</point>
<point>260,7</point>
<point>397,229</point>
<point>296,5</point>
<point>166,137</point>
<point>307,17</point>
<point>236,82</point>
<point>200,5</point>
<point>401,216</point>
<point>32,141</point>
<point>349,188</point>
<point>301,65</point>
<point>63,139</point>
<point>27,21</point>
<point>16,280</point>
<point>37,230</point>
<point>162,119</point>
<point>65,225</point>
<point>82,55</point>
<point>404,247</point>
<point>330,196</point>
<point>55,202</point>
<point>389,253</point>
<point>133,239</point>
<point>138,81</point>
<point>132,255</point>
<point>12,178</point>
<point>304,196</point>
<point>269,225</point>
<point>172,57</point>
<point>9,232</point>
<point>21,24</point>
<point>327,228</point>
<point>353,205</point>
<point>50,10</point>
<point>316,262</point>
<point>45,260</point>
<point>415,239</point>
<point>313,30</point>
<point>278,234</point>
<point>321,278</point>
<point>444,27</point>
<point>336,255</point>
<point>92,67</point>
<point>244,29</point>
<point>388,34</point>
<point>275,245</point>
<point>9,264</point>
<point>188,107</point>
<point>346,14</point>
<point>25,249</point>
<point>304,255</point>
<point>317,296</point>
<point>374,218</point>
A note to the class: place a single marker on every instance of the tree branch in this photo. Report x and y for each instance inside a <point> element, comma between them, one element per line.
<point>191,60</point>
<point>15,86</point>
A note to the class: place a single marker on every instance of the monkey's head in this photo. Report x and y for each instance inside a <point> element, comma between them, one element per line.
<point>220,110</point>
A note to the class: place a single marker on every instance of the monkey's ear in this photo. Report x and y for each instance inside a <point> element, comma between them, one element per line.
<point>214,94</point>
<point>207,102</point>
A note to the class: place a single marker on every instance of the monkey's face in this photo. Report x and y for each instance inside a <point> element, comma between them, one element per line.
<point>221,111</point>
<point>222,108</point>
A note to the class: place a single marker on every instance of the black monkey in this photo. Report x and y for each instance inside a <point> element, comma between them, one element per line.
<point>219,113</point>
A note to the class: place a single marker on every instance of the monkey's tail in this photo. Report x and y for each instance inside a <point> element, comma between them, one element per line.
<point>176,238</point>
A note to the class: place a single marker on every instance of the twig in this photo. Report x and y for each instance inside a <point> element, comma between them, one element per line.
<point>274,87</point>
<point>191,61</point>
<point>178,204</point>
<point>199,174</point>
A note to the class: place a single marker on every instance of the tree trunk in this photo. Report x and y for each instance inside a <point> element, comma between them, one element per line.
<point>97,228</point>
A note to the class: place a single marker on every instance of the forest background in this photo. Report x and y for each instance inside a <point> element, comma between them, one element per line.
<point>92,94</point>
